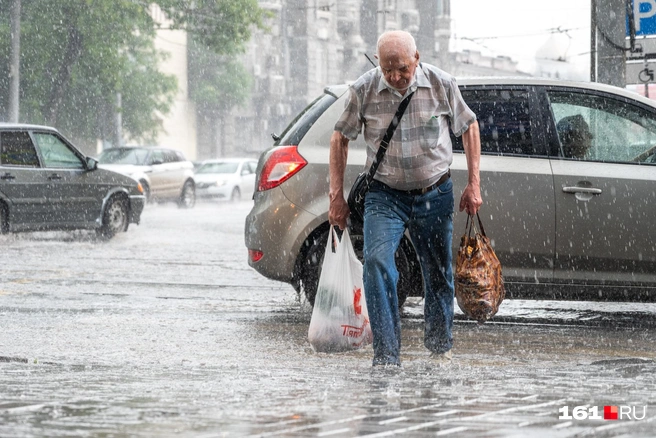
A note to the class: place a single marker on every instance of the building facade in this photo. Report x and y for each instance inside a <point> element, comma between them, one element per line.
<point>307,45</point>
<point>179,127</point>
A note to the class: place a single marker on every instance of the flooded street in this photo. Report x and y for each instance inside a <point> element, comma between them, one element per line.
<point>166,331</point>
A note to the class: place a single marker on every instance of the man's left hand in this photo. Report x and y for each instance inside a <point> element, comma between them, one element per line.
<point>471,200</point>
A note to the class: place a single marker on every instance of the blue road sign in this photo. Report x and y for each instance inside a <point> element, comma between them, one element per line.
<point>644,13</point>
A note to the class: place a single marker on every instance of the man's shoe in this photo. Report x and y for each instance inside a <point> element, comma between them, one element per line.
<point>385,363</point>
<point>442,357</point>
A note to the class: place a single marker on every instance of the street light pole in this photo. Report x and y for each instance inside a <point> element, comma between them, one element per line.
<point>593,41</point>
<point>14,62</point>
<point>608,52</point>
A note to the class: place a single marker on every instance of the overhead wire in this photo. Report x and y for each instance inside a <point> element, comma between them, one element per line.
<point>550,31</point>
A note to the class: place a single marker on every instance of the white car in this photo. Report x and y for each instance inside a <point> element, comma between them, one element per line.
<point>226,178</point>
<point>164,174</point>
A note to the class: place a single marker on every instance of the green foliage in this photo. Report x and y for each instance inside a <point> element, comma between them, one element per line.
<point>218,30</point>
<point>77,55</point>
<point>217,83</point>
<point>222,26</point>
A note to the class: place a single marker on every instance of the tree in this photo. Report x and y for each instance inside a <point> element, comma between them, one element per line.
<point>222,26</point>
<point>76,55</point>
<point>217,80</point>
<point>217,83</point>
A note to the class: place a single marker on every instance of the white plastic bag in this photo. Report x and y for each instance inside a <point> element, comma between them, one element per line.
<point>340,321</point>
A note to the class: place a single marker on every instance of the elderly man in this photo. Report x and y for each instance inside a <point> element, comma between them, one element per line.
<point>411,189</point>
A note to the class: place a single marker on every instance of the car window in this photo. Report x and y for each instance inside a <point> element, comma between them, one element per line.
<point>16,149</point>
<point>170,156</point>
<point>156,157</point>
<point>123,156</point>
<point>297,129</point>
<point>246,169</point>
<point>56,153</point>
<point>504,120</point>
<point>600,128</point>
<point>218,168</point>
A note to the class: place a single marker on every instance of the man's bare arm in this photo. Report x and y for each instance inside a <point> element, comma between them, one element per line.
<point>471,199</point>
<point>338,212</point>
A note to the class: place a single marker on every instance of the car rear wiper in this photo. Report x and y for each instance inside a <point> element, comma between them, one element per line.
<point>275,136</point>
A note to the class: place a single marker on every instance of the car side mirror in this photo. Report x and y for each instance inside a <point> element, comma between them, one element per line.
<point>91,163</point>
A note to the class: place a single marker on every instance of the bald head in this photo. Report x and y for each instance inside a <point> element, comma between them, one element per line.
<point>396,42</point>
<point>398,59</point>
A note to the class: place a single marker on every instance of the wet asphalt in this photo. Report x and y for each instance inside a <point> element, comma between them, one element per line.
<point>166,331</point>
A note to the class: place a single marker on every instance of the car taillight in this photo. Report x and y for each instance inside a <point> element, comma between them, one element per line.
<point>284,162</point>
<point>255,255</point>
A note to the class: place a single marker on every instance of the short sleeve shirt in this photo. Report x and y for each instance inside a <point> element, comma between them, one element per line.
<point>420,151</point>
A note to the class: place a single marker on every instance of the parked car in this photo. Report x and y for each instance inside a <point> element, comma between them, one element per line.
<point>165,174</point>
<point>564,224</point>
<point>48,184</point>
<point>226,178</point>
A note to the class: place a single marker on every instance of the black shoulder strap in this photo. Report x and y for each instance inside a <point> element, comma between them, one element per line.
<point>384,144</point>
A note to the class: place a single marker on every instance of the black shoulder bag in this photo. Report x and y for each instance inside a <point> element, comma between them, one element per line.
<point>364,179</point>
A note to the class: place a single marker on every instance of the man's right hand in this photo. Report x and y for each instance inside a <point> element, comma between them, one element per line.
<point>338,211</point>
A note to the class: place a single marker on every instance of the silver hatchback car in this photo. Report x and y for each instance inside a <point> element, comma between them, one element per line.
<point>568,178</point>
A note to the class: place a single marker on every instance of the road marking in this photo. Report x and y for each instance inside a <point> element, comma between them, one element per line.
<point>312,426</point>
<point>28,408</point>
<point>411,428</point>
<point>334,432</point>
<point>562,425</point>
<point>393,420</point>
<point>405,429</point>
<point>452,430</point>
<point>344,420</point>
<point>518,408</point>
<point>441,414</point>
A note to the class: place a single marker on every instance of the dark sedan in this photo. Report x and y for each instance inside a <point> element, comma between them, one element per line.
<point>48,184</point>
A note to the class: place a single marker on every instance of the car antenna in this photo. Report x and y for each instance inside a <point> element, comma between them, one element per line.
<point>372,63</point>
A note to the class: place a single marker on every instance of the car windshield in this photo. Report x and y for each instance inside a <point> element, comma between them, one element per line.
<point>218,168</point>
<point>123,156</point>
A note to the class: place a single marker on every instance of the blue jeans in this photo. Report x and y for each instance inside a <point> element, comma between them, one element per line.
<point>429,221</point>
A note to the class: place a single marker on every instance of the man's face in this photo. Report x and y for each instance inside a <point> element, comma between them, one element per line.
<point>397,67</point>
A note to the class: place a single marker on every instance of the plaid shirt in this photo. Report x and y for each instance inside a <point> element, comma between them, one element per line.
<point>420,151</point>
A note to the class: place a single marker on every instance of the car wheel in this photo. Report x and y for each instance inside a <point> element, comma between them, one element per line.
<point>4,218</point>
<point>410,279</point>
<point>187,196</point>
<point>115,218</point>
<point>236,195</point>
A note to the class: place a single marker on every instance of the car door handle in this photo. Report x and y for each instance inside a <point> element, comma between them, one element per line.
<point>588,190</point>
<point>54,176</point>
<point>7,175</point>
